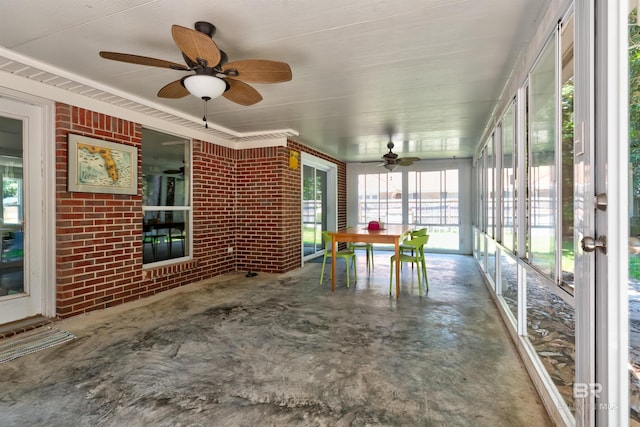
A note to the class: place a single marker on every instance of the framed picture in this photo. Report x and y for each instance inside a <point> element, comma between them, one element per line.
<point>294,159</point>
<point>97,166</point>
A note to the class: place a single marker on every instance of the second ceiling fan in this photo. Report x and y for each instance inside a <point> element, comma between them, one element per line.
<point>212,74</point>
<point>391,159</point>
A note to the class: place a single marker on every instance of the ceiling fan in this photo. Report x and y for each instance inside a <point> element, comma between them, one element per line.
<point>179,171</point>
<point>212,74</point>
<point>391,159</point>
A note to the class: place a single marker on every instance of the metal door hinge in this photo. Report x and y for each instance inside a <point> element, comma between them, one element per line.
<point>600,202</point>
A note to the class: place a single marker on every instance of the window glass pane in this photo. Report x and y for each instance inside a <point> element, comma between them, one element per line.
<point>476,237</point>
<point>164,235</point>
<point>163,190</point>
<point>491,261</point>
<point>567,153</point>
<point>491,190</point>
<point>508,180</point>
<point>542,120</point>
<point>509,285</point>
<point>380,198</point>
<point>12,232</point>
<point>165,196</point>
<point>310,241</point>
<point>12,195</point>
<point>433,204</point>
<point>314,209</point>
<point>551,330</point>
<point>633,285</point>
<point>482,191</point>
<point>450,197</point>
<point>430,207</point>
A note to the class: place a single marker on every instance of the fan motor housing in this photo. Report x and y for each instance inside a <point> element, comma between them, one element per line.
<point>205,27</point>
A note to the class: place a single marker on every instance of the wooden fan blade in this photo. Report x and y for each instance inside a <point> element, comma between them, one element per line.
<point>174,89</point>
<point>142,60</point>
<point>407,161</point>
<point>259,71</point>
<point>241,93</point>
<point>196,45</point>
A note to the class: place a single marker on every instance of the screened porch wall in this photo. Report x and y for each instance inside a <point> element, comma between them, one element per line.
<point>432,194</point>
<point>518,229</point>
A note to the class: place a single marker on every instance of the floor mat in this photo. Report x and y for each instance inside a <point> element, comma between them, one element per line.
<point>32,341</point>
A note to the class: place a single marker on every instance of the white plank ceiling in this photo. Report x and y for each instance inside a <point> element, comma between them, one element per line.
<point>430,69</point>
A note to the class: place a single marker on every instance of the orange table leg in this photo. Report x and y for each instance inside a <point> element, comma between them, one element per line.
<point>333,262</point>
<point>397,268</point>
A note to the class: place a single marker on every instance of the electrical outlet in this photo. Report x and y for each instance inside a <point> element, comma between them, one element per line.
<point>230,249</point>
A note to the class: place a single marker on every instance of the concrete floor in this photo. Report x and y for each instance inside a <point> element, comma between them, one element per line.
<point>284,351</point>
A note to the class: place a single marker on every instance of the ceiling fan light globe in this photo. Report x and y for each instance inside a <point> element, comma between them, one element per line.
<point>203,87</point>
<point>390,166</point>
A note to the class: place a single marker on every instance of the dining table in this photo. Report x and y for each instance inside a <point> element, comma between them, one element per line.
<point>388,234</point>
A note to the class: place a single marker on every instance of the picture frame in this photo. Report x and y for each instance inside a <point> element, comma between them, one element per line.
<point>294,159</point>
<point>99,166</point>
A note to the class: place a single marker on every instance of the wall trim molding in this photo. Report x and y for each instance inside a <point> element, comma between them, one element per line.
<point>31,77</point>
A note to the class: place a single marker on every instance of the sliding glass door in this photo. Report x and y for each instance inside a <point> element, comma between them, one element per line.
<point>319,182</point>
<point>314,205</point>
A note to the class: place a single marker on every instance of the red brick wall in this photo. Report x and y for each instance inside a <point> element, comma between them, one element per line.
<point>261,204</point>
<point>214,225</point>
<point>248,200</point>
<point>269,202</point>
<point>98,250</point>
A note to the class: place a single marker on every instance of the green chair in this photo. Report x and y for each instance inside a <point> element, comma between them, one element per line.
<point>176,233</point>
<point>416,244</point>
<point>348,255</point>
<point>415,233</point>
<point>368,247</point>
<point>151,237</point>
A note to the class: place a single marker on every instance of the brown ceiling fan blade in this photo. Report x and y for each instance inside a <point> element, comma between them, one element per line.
<point>175,89</point>
<point>196,45</point>
<point>259,71</point>
<point>241,93</point>
<point>142,60</point>
<point>407,161</point>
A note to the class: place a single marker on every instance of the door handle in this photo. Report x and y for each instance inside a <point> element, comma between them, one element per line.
<point>589,244</point>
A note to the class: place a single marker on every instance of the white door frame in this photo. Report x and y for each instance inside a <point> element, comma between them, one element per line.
<point>584,212</point>
<point>601,122</point>
<point>611,168</point>
<point>307,159</point>
<point>38,116</point>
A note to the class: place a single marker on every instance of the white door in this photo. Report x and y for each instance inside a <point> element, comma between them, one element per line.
<point>27,278</point>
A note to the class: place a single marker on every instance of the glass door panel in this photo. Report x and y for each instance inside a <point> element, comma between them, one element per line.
<point>567,167</point>
<point>26,259</point>
<point>11,221</point>
<point>634,219</point>
<point>314,203</point>
<point>433,201</point>
<point>542,159</point>
<point>509,180</point>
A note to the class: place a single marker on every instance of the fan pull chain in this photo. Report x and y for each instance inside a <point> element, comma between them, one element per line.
<point>204,118</point>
